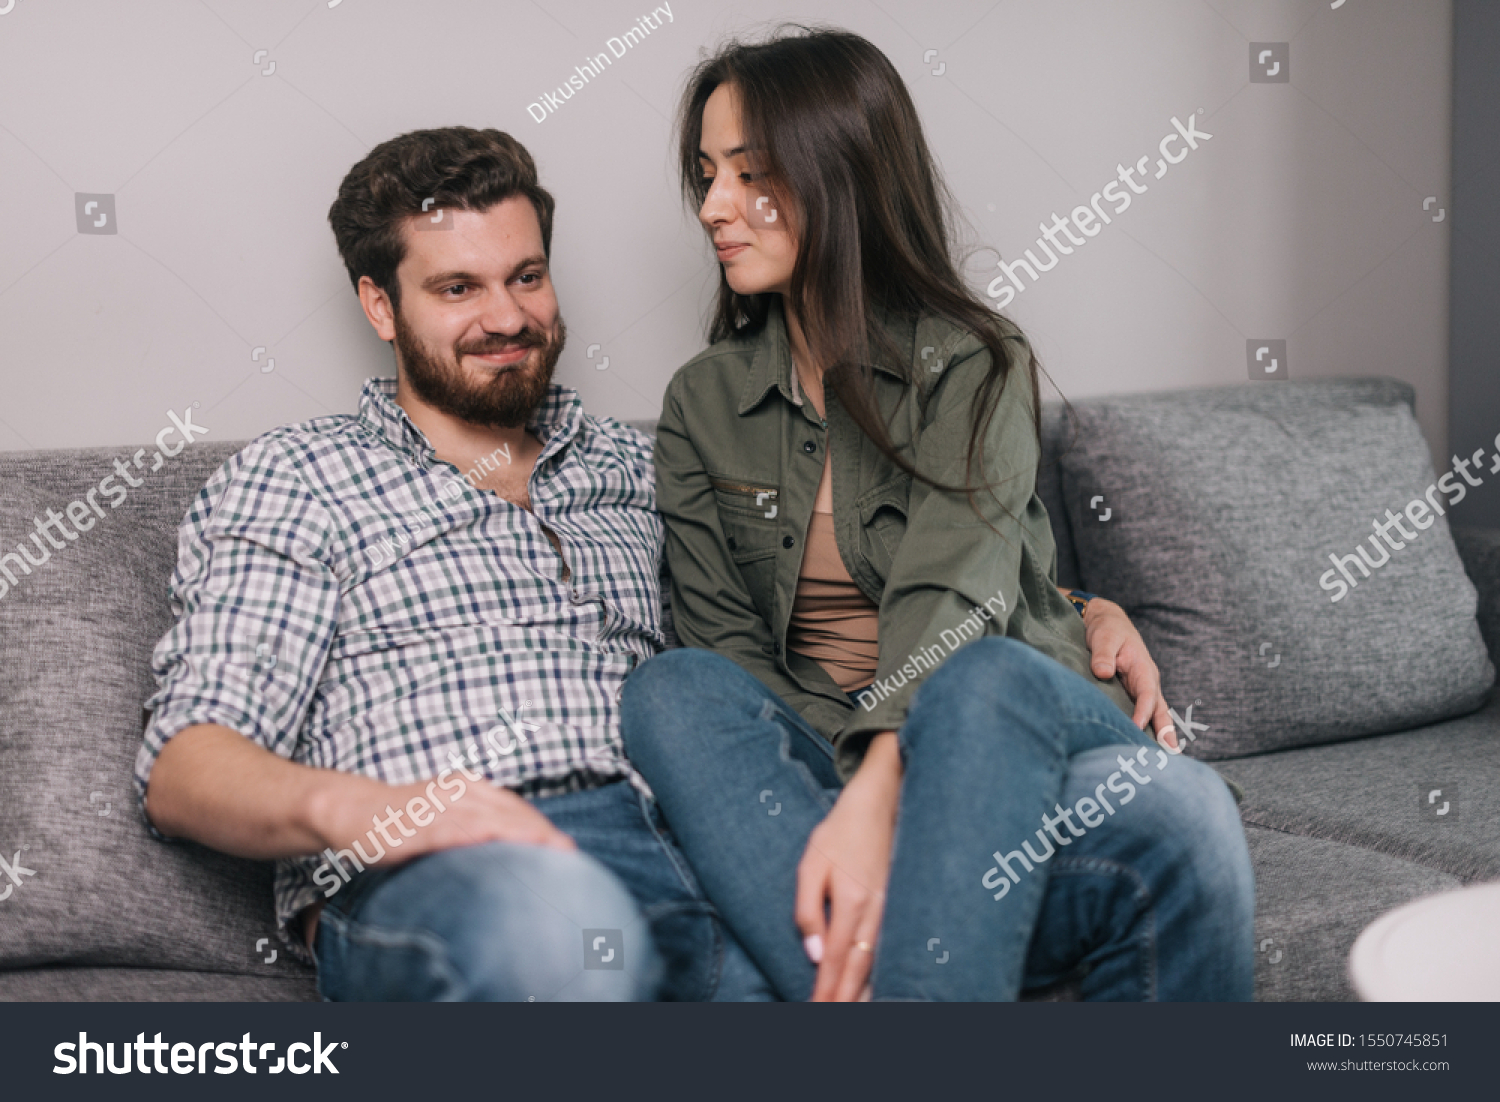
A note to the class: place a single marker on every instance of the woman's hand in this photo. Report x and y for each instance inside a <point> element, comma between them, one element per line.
<point>1117,647</point>
<point>841,880</point>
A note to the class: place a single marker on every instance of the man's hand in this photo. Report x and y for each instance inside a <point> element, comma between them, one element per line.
<point>1115,646</point>
<point>405,819</point>
<point>841,880</point>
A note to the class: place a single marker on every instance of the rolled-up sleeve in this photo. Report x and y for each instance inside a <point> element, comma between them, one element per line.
<point>256,603</point>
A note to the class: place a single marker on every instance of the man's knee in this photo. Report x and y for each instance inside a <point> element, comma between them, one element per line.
<point>544,924</point>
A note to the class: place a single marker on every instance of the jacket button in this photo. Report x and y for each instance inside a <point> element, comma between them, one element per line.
<point>809,447</point>
<point>730,542</point>
<point>787,541</point>
<point>776,648</point>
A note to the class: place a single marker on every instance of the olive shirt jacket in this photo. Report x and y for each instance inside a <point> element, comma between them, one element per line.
<point>738,462</point>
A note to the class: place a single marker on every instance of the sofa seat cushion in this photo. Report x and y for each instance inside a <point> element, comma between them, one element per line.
<point>1378,793</point>
<point>1312,899</point>
<point>129,985</point>
<point>1213,516</point>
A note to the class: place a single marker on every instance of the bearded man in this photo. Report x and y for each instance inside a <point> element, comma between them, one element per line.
<point>401,636</point>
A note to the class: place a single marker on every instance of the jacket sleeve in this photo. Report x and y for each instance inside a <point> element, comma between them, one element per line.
<point>956,575</point>
<point>711,605</point>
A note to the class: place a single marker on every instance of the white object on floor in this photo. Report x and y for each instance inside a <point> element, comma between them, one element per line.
<point>1441,948</point>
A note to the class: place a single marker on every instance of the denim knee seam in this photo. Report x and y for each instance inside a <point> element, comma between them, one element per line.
<point>385,937</point>
<point>771,711</point>
<point>1064,866</point>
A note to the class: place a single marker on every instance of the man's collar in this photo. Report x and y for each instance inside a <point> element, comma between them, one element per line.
<point>556,421</point>
<point>772,363</point>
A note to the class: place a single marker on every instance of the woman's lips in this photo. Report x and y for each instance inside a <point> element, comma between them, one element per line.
<point>730,249</point>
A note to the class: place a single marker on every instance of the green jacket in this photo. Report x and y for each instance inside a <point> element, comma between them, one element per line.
<point>738,465</point>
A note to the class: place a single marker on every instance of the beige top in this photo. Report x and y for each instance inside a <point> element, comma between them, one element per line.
<point>832,622</point>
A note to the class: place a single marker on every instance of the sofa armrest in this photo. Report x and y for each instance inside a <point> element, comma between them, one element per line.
<point>1480,550</point>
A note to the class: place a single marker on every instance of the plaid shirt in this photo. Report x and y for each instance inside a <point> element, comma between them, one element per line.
<point>346,600</point>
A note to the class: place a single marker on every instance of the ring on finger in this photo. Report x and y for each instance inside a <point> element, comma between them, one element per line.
<point>864,946</point>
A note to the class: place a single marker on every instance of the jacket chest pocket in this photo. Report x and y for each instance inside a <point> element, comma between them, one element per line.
<point>749,513</point>
<point>882,521</point>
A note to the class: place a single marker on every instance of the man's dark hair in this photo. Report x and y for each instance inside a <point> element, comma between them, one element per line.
<point>457,166</point>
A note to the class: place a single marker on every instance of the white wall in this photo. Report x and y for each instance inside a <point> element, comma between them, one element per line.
<point>1301,219</point>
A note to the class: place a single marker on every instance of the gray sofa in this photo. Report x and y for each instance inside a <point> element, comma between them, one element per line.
<point>1333,754</point>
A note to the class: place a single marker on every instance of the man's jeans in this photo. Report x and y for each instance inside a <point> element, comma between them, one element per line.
<point>1151,899</point>
<point>621,919</point>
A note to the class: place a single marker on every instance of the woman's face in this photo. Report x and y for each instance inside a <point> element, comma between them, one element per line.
<point>753,239</point>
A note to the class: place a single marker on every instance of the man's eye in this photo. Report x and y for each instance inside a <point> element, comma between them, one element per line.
<point>535,277</point>
<point>455,287</point>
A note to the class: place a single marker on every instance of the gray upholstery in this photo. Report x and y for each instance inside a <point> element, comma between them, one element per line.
<point>1480,550</point>
<point>1373,793</point>
<point>1312,899</point>
<point>128,985</point>
<point>1219,511</point>
<point>75,643</point>
<point>1338,833</point>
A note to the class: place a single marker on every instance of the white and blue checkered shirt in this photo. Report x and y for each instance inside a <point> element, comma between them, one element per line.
<point>346,600</point>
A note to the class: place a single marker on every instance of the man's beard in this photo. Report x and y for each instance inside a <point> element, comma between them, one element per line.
<point>507,401</point>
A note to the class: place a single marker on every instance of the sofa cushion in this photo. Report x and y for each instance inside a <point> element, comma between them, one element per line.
<point>1480,550</point>
<point>1378,793</point>
<point>76,635</point>
<point>1211,515</point>
<point>1312,899</point>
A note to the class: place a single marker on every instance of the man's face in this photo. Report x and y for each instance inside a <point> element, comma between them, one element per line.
<point>478,333</point>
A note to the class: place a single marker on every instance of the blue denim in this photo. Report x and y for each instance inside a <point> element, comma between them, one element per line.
<point>620,919</point>
<point>1153,901</point>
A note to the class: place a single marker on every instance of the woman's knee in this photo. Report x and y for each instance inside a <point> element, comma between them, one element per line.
<point>676,696</point>
<point>988,685</point>
<point>1183,814</point>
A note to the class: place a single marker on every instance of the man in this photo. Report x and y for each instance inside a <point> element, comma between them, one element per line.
<point>402,635</point>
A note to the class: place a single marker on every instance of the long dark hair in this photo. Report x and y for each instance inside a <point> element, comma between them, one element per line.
<point>831,125</point>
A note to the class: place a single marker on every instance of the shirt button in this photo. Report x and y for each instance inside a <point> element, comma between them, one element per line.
<point>730,542</point>
<point>809,447</point>
<point>787,541</point>
<point>776,648</point>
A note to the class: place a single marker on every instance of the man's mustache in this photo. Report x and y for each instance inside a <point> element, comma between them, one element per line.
<point>527,338</point>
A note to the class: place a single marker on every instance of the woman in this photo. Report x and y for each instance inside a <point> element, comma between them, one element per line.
<point>864,577</point>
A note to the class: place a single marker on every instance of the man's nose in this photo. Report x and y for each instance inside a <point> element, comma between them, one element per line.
<point>502,314</point>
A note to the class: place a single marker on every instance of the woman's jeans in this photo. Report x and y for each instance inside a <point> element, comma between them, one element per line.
<point>619,918</point>
<point>1041,836</point>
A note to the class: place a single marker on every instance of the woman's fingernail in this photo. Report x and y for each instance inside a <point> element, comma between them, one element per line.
<point>814,946</point>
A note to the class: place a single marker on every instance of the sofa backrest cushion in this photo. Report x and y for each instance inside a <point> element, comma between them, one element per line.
<point>1219,518</point>
<point>76,635</point>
